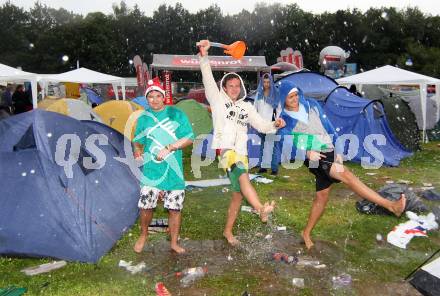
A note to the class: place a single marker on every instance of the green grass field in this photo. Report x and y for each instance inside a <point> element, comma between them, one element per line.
<point>347,238</point>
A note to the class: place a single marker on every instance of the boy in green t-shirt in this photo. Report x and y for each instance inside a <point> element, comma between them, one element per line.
<point>160,135</point>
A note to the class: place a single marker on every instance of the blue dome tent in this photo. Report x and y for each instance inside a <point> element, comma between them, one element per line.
<point>43,213</point>
<point>351,114</point>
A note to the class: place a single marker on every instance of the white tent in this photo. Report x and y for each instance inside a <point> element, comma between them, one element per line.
<point>84,75</point>
<point>12,74</point>
<point>389,75</point>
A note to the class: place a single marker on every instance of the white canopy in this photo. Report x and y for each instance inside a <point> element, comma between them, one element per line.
<point>84,75</point>
<point>389,75</point>
<point>12,74</point>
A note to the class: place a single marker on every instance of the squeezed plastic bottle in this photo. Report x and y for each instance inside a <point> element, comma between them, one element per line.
<point>190,275</point>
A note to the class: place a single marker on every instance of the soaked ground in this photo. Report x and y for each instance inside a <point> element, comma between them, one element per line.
<point>254,259</point>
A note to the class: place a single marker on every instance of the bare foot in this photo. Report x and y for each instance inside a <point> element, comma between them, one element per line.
<point>399,206</point>
<point>139,245</point>
<point>231,239</point>
<point>307,240</point>
<point>266,210</point>
<point>178,249</point>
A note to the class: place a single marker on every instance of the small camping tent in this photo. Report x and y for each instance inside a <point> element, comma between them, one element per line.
<point>47,209</point>
<point>116,113</point>
<point>141,101</point>
<point>74,108</point>
<point>198,115</point>
<point>362,117</point>
<point>389,75</point>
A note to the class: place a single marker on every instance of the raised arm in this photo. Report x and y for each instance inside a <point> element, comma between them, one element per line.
<point>211,89</point>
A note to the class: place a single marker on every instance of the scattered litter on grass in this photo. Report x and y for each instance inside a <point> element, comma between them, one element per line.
<point>42,268</point>
<point>133,269</point>
<point>298,282</point>
<point>190,275</point>
<point>379,237</point>
<point>341,281</point>
<point>263,180</point>
<point>401,181</point>
<point>418,225</point>
<point>248,209</point>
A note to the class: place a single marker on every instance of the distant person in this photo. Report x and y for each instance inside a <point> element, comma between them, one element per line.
<point>268,106</point>
<point>7,97</point>
<point>20,100</point>
<point>354,91</point>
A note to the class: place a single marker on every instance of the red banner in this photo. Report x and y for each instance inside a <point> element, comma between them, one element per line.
<point>167,86</point>
<point>129,92</point>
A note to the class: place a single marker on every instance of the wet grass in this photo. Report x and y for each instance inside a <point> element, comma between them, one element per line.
<point>351,235</point>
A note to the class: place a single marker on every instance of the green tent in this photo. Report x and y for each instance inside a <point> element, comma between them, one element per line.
<point>434,134</point>
<point>198,115</point>
<point>402,122</point>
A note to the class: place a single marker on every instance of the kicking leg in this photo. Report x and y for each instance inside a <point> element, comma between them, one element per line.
<point>146,216</point>
<point>316,212</point>
<point>234,208</point>
<point>252,197</point>
<point>344,175</point>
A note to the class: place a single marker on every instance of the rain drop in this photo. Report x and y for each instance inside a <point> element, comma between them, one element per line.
<point>23,174</point>
<point>49,135</point>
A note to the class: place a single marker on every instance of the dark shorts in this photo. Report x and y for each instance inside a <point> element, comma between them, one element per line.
<point>322,172</point>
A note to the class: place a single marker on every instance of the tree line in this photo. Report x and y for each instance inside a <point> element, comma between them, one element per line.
<point>38,38</point>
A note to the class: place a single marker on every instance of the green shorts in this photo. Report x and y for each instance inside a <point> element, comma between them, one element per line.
<point>234,173</point>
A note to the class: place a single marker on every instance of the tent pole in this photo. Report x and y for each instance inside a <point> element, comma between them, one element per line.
<point>423,103</point>
<point>123,89</point>
<point>34,93</point>
<point>437,100</point>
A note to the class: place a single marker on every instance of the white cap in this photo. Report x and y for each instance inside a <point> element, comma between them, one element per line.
<point>293,90</point>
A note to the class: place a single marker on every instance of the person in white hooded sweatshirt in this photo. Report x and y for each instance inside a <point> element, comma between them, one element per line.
<point>231,116</point>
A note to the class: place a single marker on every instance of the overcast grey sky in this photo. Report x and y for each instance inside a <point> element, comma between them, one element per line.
<point>232,6</point>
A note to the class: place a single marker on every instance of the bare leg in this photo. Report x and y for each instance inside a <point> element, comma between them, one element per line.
<point>234,207</point>
<point>175,219</point>
<point>146,216</point>
<point>348,178</point>
<point>252,197</point>
<point>316,212</point>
